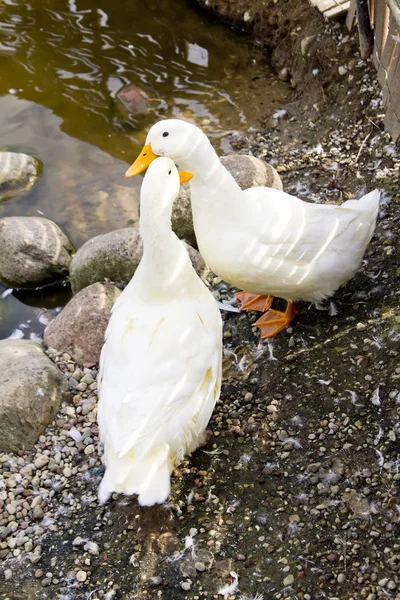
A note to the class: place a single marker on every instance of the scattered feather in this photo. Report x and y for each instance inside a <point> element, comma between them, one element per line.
<point>229,588</point>
<point>375,397</point>
<point>256,597</point>
<point>35,337</point>
<point>244,459</point>
<point>17,334</point>
<point>353,395</point>
<point>381,460</point>
<point>75,434</point>
<point>271,351</point>
<point>292,529</point>
<point>43,319</point>
<point>189,542</point>
<point>291,440</point>
<point>333,309</point>
<point>324,382</point>
<point>278,114</point>
<point>7,293</point>
<point>228,307</point>
<point>379,436</point>
<point>40,392</point>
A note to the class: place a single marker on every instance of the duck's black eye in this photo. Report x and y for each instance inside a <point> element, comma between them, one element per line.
<point>165,134</point>
<point>169,172</point>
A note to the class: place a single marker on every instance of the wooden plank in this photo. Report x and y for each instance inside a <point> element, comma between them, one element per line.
<point>394,6</point>
<point>391,70</point>
<point>331,8</point>
<point>336,11</point>
<point>380,32</point>
<point>392,117</point>
<point>351,15</point>
<point>365,32</point>
<point>388,51</point>
<point>371,5</point>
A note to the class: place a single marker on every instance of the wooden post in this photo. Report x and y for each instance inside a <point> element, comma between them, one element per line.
<point>364,29</point>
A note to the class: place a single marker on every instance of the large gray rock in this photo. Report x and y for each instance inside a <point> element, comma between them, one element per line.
<point>248,172</point>
<point>33,252</point>
<point>79,328</point>
<point>18,172</point>
<point>115,256</point>
<point>31,389</point>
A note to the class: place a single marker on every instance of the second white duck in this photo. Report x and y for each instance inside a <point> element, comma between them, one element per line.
<point>263,240</point>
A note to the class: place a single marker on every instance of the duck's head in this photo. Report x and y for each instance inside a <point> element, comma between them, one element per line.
<point>173,138</point>
<point>162,181</point>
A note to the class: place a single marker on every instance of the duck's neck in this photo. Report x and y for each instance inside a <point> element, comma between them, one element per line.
<point>164,260</point>
<point>208,171</point>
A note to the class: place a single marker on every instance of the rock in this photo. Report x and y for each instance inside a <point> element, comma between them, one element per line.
<point>289,580</point>
<point>248,172</point>
<point>134,99</point>
<point>115,256</point>
<point>33,252</point>
<point>79,328</point>
<point>18,172</point>
<point>31,388</point>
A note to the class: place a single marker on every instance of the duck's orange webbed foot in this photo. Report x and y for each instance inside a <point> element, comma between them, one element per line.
<point>254,301</point>
<point>274,321</point>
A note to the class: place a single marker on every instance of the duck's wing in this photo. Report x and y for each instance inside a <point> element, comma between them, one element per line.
<point>159,375</point>
<point>288,229</point>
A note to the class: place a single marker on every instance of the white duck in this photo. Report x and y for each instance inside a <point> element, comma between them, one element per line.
<point>160,366</point>
<point>261,239</point>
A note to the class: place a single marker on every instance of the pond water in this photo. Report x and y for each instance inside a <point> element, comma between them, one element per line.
<point>62,63</point>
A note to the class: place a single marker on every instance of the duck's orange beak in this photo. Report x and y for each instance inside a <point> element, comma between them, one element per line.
<point>142,162</point>
<point>185,176</point>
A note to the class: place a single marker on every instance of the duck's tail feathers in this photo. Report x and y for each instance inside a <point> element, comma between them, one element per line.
<point>148,476</point>
<point>370,203</point>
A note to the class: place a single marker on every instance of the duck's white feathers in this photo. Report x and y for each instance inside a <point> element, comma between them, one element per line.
<point>290,248</point>
<point>160,376</point>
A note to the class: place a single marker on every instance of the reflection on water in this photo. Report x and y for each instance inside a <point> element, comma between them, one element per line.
<point>62,63</point>
<point>73,56</point>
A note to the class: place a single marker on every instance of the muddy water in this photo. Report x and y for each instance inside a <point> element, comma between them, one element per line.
<point>61,65</point>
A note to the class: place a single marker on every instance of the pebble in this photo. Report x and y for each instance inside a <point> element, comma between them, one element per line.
<point>186,585</point>
<point>289,580</point>
<point>81,576</point>
<point>41,461</point>
<point>200,566</point>
<point>341,578</point>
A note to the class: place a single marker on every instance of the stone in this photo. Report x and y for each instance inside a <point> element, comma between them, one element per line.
<point>133,98</point>
<point>248,171</point>
<point>31,388</point>
<point>33,252</point>
<point>18,173</point>
<point>115,256</point>
<point>79,328</point>
<point>289,580</point>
